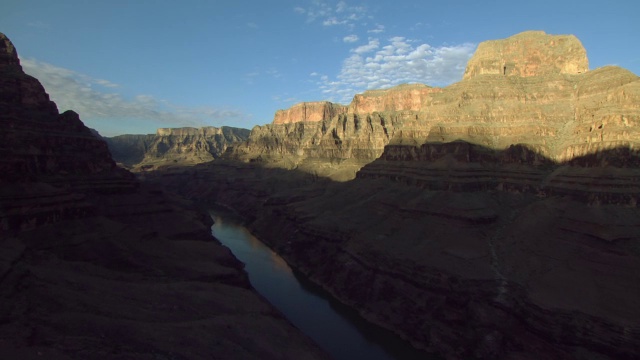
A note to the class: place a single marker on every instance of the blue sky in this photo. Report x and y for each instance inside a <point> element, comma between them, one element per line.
<point>133,66</point>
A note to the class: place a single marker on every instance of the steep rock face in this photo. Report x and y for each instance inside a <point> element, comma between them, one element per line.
<point>175,146</point>
<point>309,111</point>
<point>549,101</point>
<point>335,147</point>
<point>44,154</point>
<point>531,53</point>
<point>407,97</point>
<point>21,94</point>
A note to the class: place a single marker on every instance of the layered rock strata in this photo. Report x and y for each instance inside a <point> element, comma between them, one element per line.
<point>309,111</point>
<point>174,146</point>
<point>549,102</point>
<point>95,265</point>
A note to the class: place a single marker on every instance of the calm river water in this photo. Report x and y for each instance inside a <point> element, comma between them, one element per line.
<point>333,326</point>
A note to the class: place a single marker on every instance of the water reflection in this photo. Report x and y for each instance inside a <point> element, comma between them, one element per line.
<point>332,325</point>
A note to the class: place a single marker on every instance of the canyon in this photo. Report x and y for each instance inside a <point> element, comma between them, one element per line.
<point>495,218</point>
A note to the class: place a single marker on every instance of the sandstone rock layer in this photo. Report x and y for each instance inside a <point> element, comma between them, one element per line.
<point>309,111</point>
<point>549,102</point>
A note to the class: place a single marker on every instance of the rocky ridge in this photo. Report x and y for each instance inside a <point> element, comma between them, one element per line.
<point>95,265</point>
<point>174,146</point>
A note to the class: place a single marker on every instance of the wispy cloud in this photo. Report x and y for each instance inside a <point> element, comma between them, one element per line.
<point>94,99</point>
<point>377,29</point>
<point>401,60</point>
<point>330,14</point>
<point>350,38</point>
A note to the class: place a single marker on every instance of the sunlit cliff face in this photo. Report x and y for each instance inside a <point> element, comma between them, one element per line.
<point>532,90</point>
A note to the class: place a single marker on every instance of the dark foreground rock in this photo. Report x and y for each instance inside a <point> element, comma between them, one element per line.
<point>95,265</point>
<point>141,279</point>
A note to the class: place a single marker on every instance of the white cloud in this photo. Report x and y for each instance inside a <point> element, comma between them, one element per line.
<point>350,38</point>
<point>399,61</point>
<point>92,100</point>
<point>252,25</point>
<point>372,45</point>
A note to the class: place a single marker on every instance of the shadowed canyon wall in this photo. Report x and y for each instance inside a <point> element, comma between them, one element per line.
<point>96,265</point>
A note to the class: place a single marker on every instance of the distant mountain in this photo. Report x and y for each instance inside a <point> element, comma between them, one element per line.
<point>174,146</point>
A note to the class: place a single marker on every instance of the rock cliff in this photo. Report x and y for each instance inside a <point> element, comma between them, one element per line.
<point>94,265</point>
<point>309,111</point>
<point>531,53</point>
<point>546,99</point>
<point>44,154</point>
<point>174,146</point>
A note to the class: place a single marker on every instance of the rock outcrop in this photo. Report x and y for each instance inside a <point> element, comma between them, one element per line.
<point>95,265</point>
<point>174,146</point>
<point>531,53</point>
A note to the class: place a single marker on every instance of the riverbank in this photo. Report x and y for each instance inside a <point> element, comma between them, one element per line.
<point>335,327</point>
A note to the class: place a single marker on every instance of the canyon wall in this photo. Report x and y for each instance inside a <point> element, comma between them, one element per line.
<point>549,102</point>
<point>174,146</point>
<point>95,265</point>
<point>308,111</point>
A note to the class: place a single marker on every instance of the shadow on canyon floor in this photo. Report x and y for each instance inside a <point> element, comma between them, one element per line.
<point>456,246</point>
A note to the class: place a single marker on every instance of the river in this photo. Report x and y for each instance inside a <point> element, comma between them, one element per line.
<point>333,326</point>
